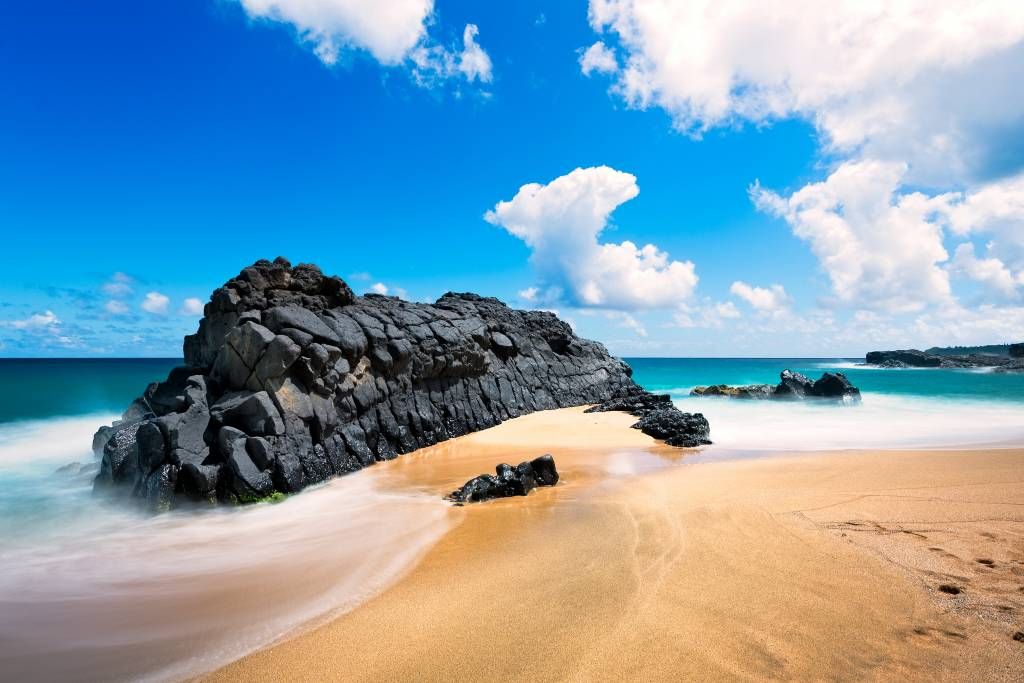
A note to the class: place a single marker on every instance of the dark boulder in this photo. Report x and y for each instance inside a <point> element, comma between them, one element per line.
<point>835,385</point>
<point>508,481</point>
<point>316,382</point>
<point>676,428</point>
<point>792,386</point>
<point>750,391</point>
<point>909,357</point>
<point>636,404</point>
<point>1016,350</point>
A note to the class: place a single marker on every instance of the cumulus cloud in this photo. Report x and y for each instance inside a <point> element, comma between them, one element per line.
<point>991,272</point>
<point>155,303</point>
<point>931,83</point>
<point>115,307</point>
<point>561,223</point>
<point>379,288</point>
<point>119,285</point>
<point>191,306</point>
<point>772,298</point>
<point>880,248</point>
<point>529,294</point>
<point>37,321</point>
<point>394,33</point>
<point>600,58</point>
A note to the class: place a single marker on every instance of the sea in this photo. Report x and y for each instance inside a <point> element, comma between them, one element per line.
<point>94,590</point>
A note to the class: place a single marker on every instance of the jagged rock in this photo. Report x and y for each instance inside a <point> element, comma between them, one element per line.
<point>1016,350</point>
<point>637,404</point>
<point>912,358</point>
<point>752,391</point>
<point>508,481</point>
<point>793,385</point>
<point>676,428</point>
<point>320,383</point>
<point>835,385</point>
<point>660,418</point>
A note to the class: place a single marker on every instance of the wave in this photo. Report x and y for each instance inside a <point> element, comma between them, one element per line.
<point>884,421</point>
<point>90,591</point>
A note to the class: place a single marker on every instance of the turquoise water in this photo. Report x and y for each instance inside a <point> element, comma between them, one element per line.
<point>679,375</point>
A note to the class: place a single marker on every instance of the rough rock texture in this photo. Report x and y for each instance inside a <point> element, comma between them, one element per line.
<point>1016,350</point>
<point>291,379</point>
<point>912,358</point>
<point>508,481</point>
<point>791,386</point>
<point>660,418</point>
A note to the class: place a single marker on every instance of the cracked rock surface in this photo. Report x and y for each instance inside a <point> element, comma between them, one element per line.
<point>292,379</point>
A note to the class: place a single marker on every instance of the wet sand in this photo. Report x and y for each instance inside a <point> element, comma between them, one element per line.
<point>648,562</point>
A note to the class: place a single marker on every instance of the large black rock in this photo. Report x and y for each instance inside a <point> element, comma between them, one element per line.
<point>508,481</point>
<point>912,358</point>
<point>291,379</point>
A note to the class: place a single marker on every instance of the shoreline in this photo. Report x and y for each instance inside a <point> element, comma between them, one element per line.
<point>646,561</point>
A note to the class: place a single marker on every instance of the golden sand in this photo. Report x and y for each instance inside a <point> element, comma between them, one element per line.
<point>647,563</point>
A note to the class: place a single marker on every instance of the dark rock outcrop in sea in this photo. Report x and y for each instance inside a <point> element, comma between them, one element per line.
<point>292,379</point>
<point>660,418</point>
<point>912,358</point>
<point>791,386</point>
<point>508,481</point>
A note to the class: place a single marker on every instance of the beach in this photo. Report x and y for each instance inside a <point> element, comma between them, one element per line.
<point>650,562</point>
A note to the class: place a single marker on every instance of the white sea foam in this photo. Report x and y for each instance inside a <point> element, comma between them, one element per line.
<point>880,421</point>
<point>108,594</point>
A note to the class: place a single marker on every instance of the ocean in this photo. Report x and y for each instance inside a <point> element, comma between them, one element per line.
<point>80,578</point>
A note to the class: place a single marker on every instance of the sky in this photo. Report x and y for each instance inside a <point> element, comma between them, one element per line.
<point>776,178</point>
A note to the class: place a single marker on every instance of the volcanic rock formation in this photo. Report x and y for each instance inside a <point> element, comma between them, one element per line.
<point>291,379</point>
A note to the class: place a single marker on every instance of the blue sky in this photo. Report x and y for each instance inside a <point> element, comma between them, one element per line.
<point>149,151</point>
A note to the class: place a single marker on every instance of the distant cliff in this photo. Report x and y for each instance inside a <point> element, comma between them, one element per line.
<point>291,379</point>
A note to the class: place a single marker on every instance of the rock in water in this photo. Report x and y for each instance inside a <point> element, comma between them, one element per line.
<point>791,386</point>
<point>508,481</point>
<point>291,379</point>
<point>660,418</point>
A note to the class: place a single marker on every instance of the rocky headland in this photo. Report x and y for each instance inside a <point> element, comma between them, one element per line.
<point>1013,361</point>
<point>791,386</point>
<point>292,379</point>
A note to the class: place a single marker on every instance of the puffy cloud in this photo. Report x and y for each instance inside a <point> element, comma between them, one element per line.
<point>769,299</point>
<point>115,307</point>
<point>156,303</point>
<point>191,306</point>
<point>931,83</point>
<point>393,32</point>
<point>598,57</point>
<point>47,320</point>
<point>379,288</point>
<point>707,315</point>
<point>561,222</point>
<point>990,272</point>
<point>529,294</point>
<point>387,30</point>
<point>995,209</point>
<point>119,285</point>
<point>881,249</point>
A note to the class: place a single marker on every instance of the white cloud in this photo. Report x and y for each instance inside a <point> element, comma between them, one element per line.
<point>706,315</point>
<point>47,320</point>
<point>990,272</point>
<point>623,319</point>
<point>562,221</point>
<point>393,32</point>
<point>881,249</point>
<point>473,61</point>
<point>119,285</point>
<point>932,83</point>
<point>115,307</point>
<point>772,298</point>
<point>529,294</point>
<point>191,306</point>
<point>387,30</point>
<point>379,288</point>
<point>156,303</point>
<point>995,209</point>
<point>598,57</point>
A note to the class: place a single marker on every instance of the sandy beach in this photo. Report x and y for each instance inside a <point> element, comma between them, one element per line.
<point>648,562</point>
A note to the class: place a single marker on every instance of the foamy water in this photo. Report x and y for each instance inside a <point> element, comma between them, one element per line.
<point>879,421</point>
<point>90,591</point>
